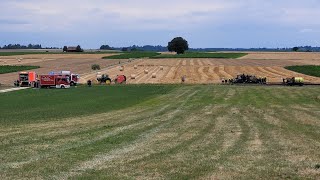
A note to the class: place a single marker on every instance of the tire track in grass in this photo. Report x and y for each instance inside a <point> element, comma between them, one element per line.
<point>133,122</point>
<point>174,150</point>
<point>230,164</point>
<point>104,158</point>
<point>155,144</point>
<point>291,153</point>
<point>54,127</point>
<point>130,124</point>
<point>191,121</point>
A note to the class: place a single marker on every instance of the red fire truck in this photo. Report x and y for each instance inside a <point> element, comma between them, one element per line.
<point>26,79</point>
<point>73,78</point>
<point>54,81</point>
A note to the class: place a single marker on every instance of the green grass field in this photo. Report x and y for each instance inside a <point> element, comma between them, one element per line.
<point>307,69</point>
<point>202,55</point>
<point>154,55</point>
<point>161,132</point>
<point>128,55</point>
<point>69,103</point>
<point>9,69</point>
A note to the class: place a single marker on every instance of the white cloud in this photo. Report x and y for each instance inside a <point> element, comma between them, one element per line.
<point>72,15</point>
<point>142,14</point>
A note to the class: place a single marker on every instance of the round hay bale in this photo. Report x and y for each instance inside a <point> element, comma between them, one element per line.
<point>135,67</point>
<point>161,68</point>
<point>121,68</point>
<point>154,75</point>
<point>146,71</point>
<point>133,76</point>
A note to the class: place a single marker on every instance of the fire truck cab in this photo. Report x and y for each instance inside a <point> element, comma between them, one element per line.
<point>26,79</point>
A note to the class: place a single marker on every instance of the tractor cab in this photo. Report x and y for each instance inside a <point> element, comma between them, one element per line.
<point>24,79</point>
<point>103,79</point>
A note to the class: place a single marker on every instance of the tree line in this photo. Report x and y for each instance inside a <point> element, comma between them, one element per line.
<point>29,46</point>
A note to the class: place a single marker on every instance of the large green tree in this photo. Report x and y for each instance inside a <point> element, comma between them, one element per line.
<point>79,49</point>
<point>65,48</point>
<point>295,49</point>
<point>178,45</point>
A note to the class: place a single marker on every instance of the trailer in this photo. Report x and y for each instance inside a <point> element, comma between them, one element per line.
<point>54,81</point>
<point>299,81</point>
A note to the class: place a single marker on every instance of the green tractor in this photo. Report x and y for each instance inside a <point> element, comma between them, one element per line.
<point>104,79</point>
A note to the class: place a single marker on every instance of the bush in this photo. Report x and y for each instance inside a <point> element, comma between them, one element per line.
<point>95,67</point>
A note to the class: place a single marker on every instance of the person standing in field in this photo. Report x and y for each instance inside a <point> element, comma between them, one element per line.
<point>183,79</point>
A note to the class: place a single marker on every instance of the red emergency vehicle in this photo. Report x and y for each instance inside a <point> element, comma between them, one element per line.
<point>26,79</point>
<point>73,78</point>
<point>54,81</point>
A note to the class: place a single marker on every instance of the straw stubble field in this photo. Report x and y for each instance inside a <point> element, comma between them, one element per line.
<point>204,71</point>
<point>173,132</point>
<point>197,71</point>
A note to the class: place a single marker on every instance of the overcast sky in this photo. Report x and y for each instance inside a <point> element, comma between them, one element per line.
<point>204,23</point>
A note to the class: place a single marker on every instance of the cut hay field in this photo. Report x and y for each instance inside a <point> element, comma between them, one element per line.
<point>161,132</point>
<point>198,70</point>
<point>202,70</point>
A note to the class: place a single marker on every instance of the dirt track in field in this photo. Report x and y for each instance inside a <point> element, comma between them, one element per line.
<point>197,71</point>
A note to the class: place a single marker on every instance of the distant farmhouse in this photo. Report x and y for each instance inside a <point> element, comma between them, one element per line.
<point>72,49</point>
